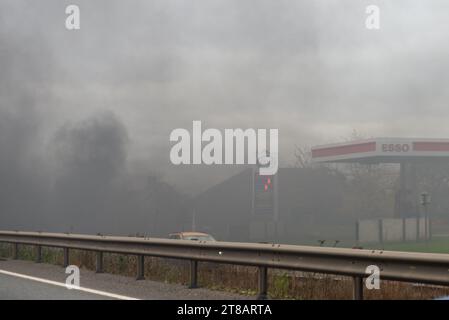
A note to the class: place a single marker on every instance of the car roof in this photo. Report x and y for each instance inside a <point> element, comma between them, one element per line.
<point>191,233</point>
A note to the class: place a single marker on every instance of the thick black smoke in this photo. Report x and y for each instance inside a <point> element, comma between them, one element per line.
<point>90,161</point>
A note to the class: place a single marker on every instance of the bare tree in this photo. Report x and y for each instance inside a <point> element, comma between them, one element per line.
<point>303,157</point>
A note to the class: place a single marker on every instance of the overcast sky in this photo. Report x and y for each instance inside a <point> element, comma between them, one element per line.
<point>308,68</point>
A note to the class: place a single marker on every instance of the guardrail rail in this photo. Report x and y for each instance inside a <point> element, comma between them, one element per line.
<point>423,268</point>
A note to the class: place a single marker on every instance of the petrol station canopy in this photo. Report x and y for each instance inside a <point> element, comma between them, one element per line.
<point>383,150</point>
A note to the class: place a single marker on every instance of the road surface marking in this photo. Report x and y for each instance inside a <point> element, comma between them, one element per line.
<point>60,284</point>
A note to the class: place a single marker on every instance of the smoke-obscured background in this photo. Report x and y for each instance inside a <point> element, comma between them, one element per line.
<point>85,116</point>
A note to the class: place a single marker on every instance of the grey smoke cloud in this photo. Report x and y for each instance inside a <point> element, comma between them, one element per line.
<point>308,68</point>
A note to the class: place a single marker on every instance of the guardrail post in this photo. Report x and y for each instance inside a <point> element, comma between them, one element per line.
<point>417,228</point>
<point>263,283</point>
<point>15,251</point>
<point>140,267</point>
<point>357,288</point>
<point>99,264</point>
<point>404,230</point>
<point>193,274</point>
<point>381,231</point>
<point>66,261</point>
<point>38,254</point>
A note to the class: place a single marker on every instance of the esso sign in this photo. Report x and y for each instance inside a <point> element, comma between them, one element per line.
<point>395,147</point>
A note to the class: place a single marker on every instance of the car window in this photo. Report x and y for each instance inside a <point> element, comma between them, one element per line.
<point>199,238</point>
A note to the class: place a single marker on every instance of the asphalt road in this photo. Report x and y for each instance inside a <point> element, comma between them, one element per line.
<point>14,288</point>
<point>22,280</point>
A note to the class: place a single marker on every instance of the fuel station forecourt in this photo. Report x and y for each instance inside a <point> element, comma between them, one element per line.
<point>407,152</point>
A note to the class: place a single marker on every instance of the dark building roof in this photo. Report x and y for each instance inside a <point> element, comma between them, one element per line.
<point>304,194</point>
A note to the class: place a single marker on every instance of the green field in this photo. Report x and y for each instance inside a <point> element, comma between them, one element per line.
<point>439,244</point>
